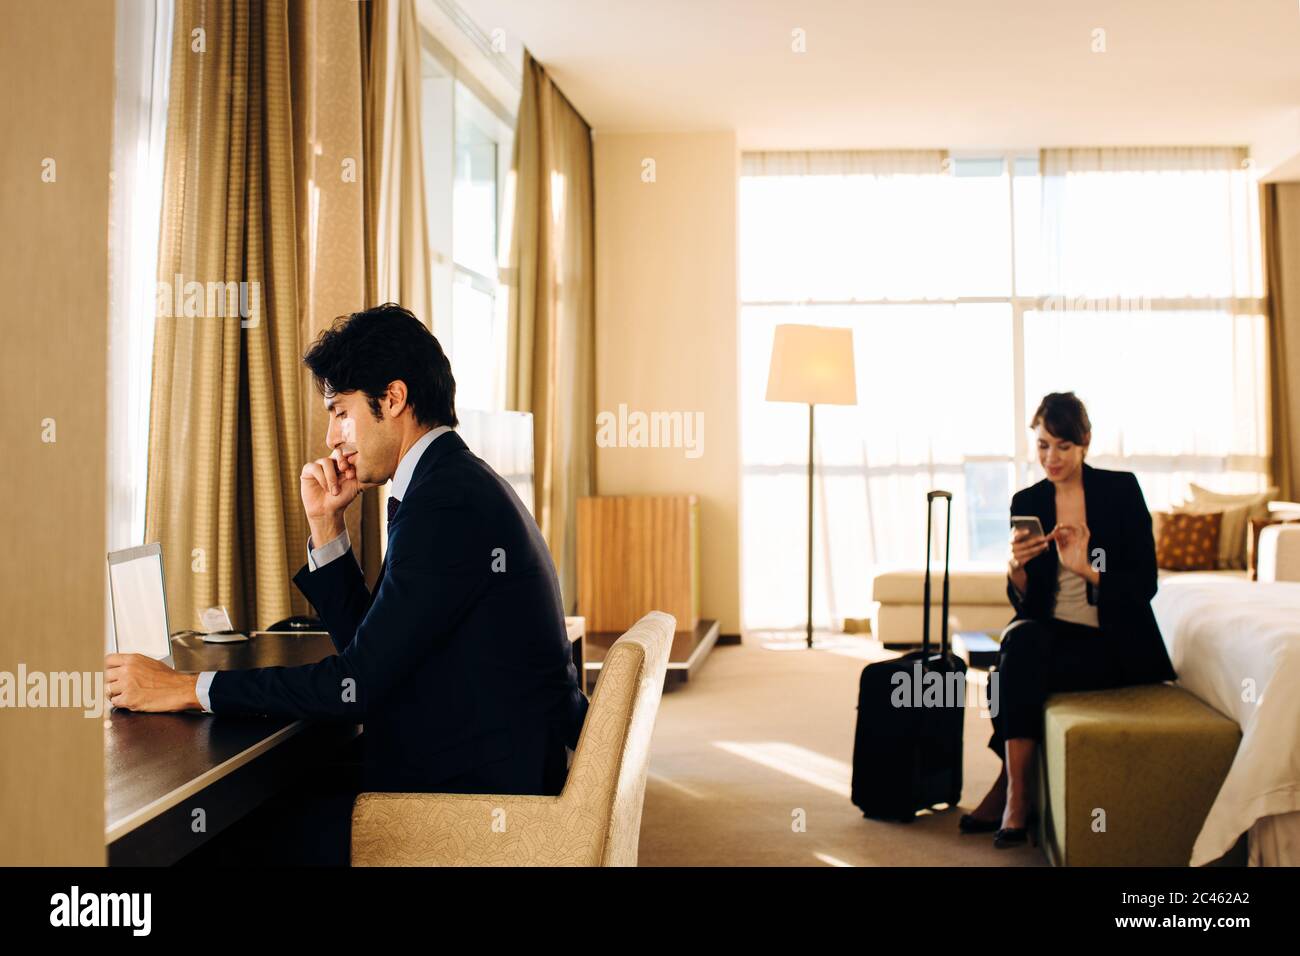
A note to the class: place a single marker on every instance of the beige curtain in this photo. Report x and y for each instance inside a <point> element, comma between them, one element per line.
<point>1280,219</point>
<point>329,174</point>
<point>551,278</point>
<point>226,426</point>
<point>294,166</point>
<point>398,255</point>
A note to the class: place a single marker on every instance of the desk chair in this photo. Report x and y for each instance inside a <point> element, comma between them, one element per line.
<point>596,819</point>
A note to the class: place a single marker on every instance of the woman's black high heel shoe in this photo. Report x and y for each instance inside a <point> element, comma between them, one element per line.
<point>1007,837</point>
<point>972,824</point>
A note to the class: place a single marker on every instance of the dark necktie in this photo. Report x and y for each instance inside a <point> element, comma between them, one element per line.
<point>383,566</point>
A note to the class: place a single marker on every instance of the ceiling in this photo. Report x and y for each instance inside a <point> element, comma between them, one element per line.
<point>961,74</point>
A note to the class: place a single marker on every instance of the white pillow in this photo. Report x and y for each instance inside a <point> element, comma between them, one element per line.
<point>1260,498</point>
<point>1237,511</point>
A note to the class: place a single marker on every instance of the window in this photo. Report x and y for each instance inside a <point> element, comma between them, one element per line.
<point>139,134</point>
<point>1152,311</point>
<point>467,154</point>
<point>974,285</point>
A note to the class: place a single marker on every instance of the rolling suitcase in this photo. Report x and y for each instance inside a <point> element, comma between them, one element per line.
<point>907,750</point>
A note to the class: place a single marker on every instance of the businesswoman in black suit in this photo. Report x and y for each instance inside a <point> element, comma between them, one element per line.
<point>1082,595</point>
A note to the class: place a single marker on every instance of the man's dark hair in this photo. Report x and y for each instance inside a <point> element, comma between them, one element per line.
<point>1064,416</point>
<point>366,350</point>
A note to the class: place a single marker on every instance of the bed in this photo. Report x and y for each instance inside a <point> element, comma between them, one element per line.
<point>1236,645</point>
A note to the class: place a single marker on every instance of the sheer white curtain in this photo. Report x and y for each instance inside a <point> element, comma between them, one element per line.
<point>885,244</point>
<point>143,57</point>
<point>934,397</point>
<point>1152,311</point>
<point>139,128</point>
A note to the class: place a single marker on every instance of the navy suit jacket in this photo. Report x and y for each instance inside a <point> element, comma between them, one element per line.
<point>1122,545</point>
<point>459,664</point>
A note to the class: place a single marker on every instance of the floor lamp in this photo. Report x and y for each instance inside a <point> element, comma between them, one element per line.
<point>812,365</point>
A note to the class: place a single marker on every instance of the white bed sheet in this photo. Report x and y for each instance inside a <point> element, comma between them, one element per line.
<point>1236,645</point>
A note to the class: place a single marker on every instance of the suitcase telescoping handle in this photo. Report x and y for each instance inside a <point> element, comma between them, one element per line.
<point>947,538</point>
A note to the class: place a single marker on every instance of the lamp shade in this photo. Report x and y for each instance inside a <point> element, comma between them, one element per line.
<point>813,365</point>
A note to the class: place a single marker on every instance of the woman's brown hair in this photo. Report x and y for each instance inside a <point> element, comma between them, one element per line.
<point>1064,416</point>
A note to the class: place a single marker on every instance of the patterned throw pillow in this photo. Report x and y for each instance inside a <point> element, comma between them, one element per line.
<point>1232,526</point>
<point>1187,542</point>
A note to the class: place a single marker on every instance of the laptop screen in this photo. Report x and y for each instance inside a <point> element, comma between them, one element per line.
<point>139,603</point>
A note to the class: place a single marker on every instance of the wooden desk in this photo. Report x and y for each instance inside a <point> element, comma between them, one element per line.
<point>164,773</point>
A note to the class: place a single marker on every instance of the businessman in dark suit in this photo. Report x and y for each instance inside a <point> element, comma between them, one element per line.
<point>458,662</point>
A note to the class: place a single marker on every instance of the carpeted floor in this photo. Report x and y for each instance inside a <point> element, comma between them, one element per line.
<point>751,765</point>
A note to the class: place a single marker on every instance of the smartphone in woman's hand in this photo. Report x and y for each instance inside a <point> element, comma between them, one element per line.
<point>1029,523</point>
<point>1027,543</point>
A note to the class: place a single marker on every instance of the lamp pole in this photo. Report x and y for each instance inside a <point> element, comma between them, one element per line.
<point>810,521</point>
<point>811,365</point>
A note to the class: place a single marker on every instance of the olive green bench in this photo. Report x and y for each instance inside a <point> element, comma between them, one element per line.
<point>1127,776</point>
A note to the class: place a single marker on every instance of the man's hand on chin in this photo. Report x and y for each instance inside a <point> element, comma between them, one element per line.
<point>137,682</point>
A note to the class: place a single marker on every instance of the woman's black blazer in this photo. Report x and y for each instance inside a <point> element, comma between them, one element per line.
<point>1122,546</point>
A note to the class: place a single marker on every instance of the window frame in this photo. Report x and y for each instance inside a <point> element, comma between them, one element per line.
<point>447,270</point>
<point>1020,304</point>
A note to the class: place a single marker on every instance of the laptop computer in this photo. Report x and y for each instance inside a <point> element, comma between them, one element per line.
<point>135,584</point>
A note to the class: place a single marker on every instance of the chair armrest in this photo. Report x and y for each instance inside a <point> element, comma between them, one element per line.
<point>462,829</point>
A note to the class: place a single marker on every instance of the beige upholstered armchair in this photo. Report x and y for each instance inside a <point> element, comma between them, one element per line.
<point>595,821</point>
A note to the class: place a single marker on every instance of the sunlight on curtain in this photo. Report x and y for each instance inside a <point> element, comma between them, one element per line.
<point>1153,312</point>
<point>863,240</point>
<point>549,268</point>
<point>890,225</point>
<point>139,133</point>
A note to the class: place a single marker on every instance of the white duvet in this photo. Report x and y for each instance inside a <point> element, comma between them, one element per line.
<point>1236,645</point>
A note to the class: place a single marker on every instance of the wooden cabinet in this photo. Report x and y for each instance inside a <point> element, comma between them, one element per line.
<point>636,554</point>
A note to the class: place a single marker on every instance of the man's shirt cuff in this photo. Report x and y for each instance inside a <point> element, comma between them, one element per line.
<point>201,690</point>
<point>329,551</point>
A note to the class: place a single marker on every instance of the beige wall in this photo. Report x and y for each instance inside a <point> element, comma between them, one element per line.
<point>666,329</point>
<point>56,70</point>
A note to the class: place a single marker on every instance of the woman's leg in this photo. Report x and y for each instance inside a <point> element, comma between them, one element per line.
<point>1016,697</point>
<point>1061,657</point>
<point>1020,758</point>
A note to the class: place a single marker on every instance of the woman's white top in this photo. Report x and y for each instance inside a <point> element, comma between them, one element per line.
<point>1072,599</point>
